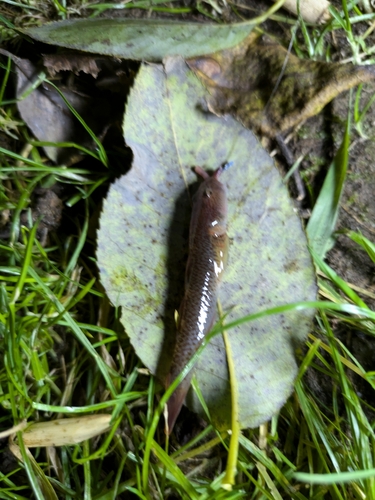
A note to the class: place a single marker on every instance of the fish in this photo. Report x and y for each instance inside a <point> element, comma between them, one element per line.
<point>207,259</point>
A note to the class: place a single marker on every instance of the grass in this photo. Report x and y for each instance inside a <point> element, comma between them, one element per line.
<point>63,351</point>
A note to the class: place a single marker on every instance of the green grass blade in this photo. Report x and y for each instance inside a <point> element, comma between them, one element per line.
<point>334,478</point>
<point>330,273</point>
<point>25,267</point>
<point>33,471</point>
<point>231,468</point>
<point>322,223</point>
<point>81,241</point>
<point>102,155</point>
<point>175,471</point>
<point>365,243</point>
<point>77,331</point>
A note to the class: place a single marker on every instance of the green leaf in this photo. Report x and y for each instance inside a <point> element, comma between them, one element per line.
<point>324,216</point>
<point>142,39</point>
<point>142,245</point>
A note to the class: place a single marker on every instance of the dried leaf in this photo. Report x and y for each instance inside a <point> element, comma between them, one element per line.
<point>267,88</point>
<point>142,245</point>
<point>65,431</point>
<point>71,62</point>
<point>312,11</point>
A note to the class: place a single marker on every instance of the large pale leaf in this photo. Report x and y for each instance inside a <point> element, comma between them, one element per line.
<point>142,244</point>
<point>142,39</point>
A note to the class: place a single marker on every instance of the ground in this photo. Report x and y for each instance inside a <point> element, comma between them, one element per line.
<point>61,229</point>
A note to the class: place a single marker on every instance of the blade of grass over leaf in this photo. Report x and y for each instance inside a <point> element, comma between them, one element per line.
<point>320,305</point>
<point>322,222</point>
<point>158,412</point>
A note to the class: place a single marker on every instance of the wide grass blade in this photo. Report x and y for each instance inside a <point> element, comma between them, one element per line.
<point>322,223</point>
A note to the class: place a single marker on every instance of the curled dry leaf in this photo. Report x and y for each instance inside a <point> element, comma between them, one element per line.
<point>19,427</point>
<point>269,89</point>
<point>71,62</point>
<point>65,431</point>
<point>142,245</point>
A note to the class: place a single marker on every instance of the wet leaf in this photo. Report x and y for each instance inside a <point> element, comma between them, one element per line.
<point>49,118</point>
<point>142,245</point>
<point>141,39</point>
<point>270,90</point>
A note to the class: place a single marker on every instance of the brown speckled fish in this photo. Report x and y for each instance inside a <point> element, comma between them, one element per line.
<point>208,245</point>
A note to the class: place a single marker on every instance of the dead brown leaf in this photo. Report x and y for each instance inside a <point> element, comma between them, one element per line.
<point>74,62</point>
<point>269,89</point>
